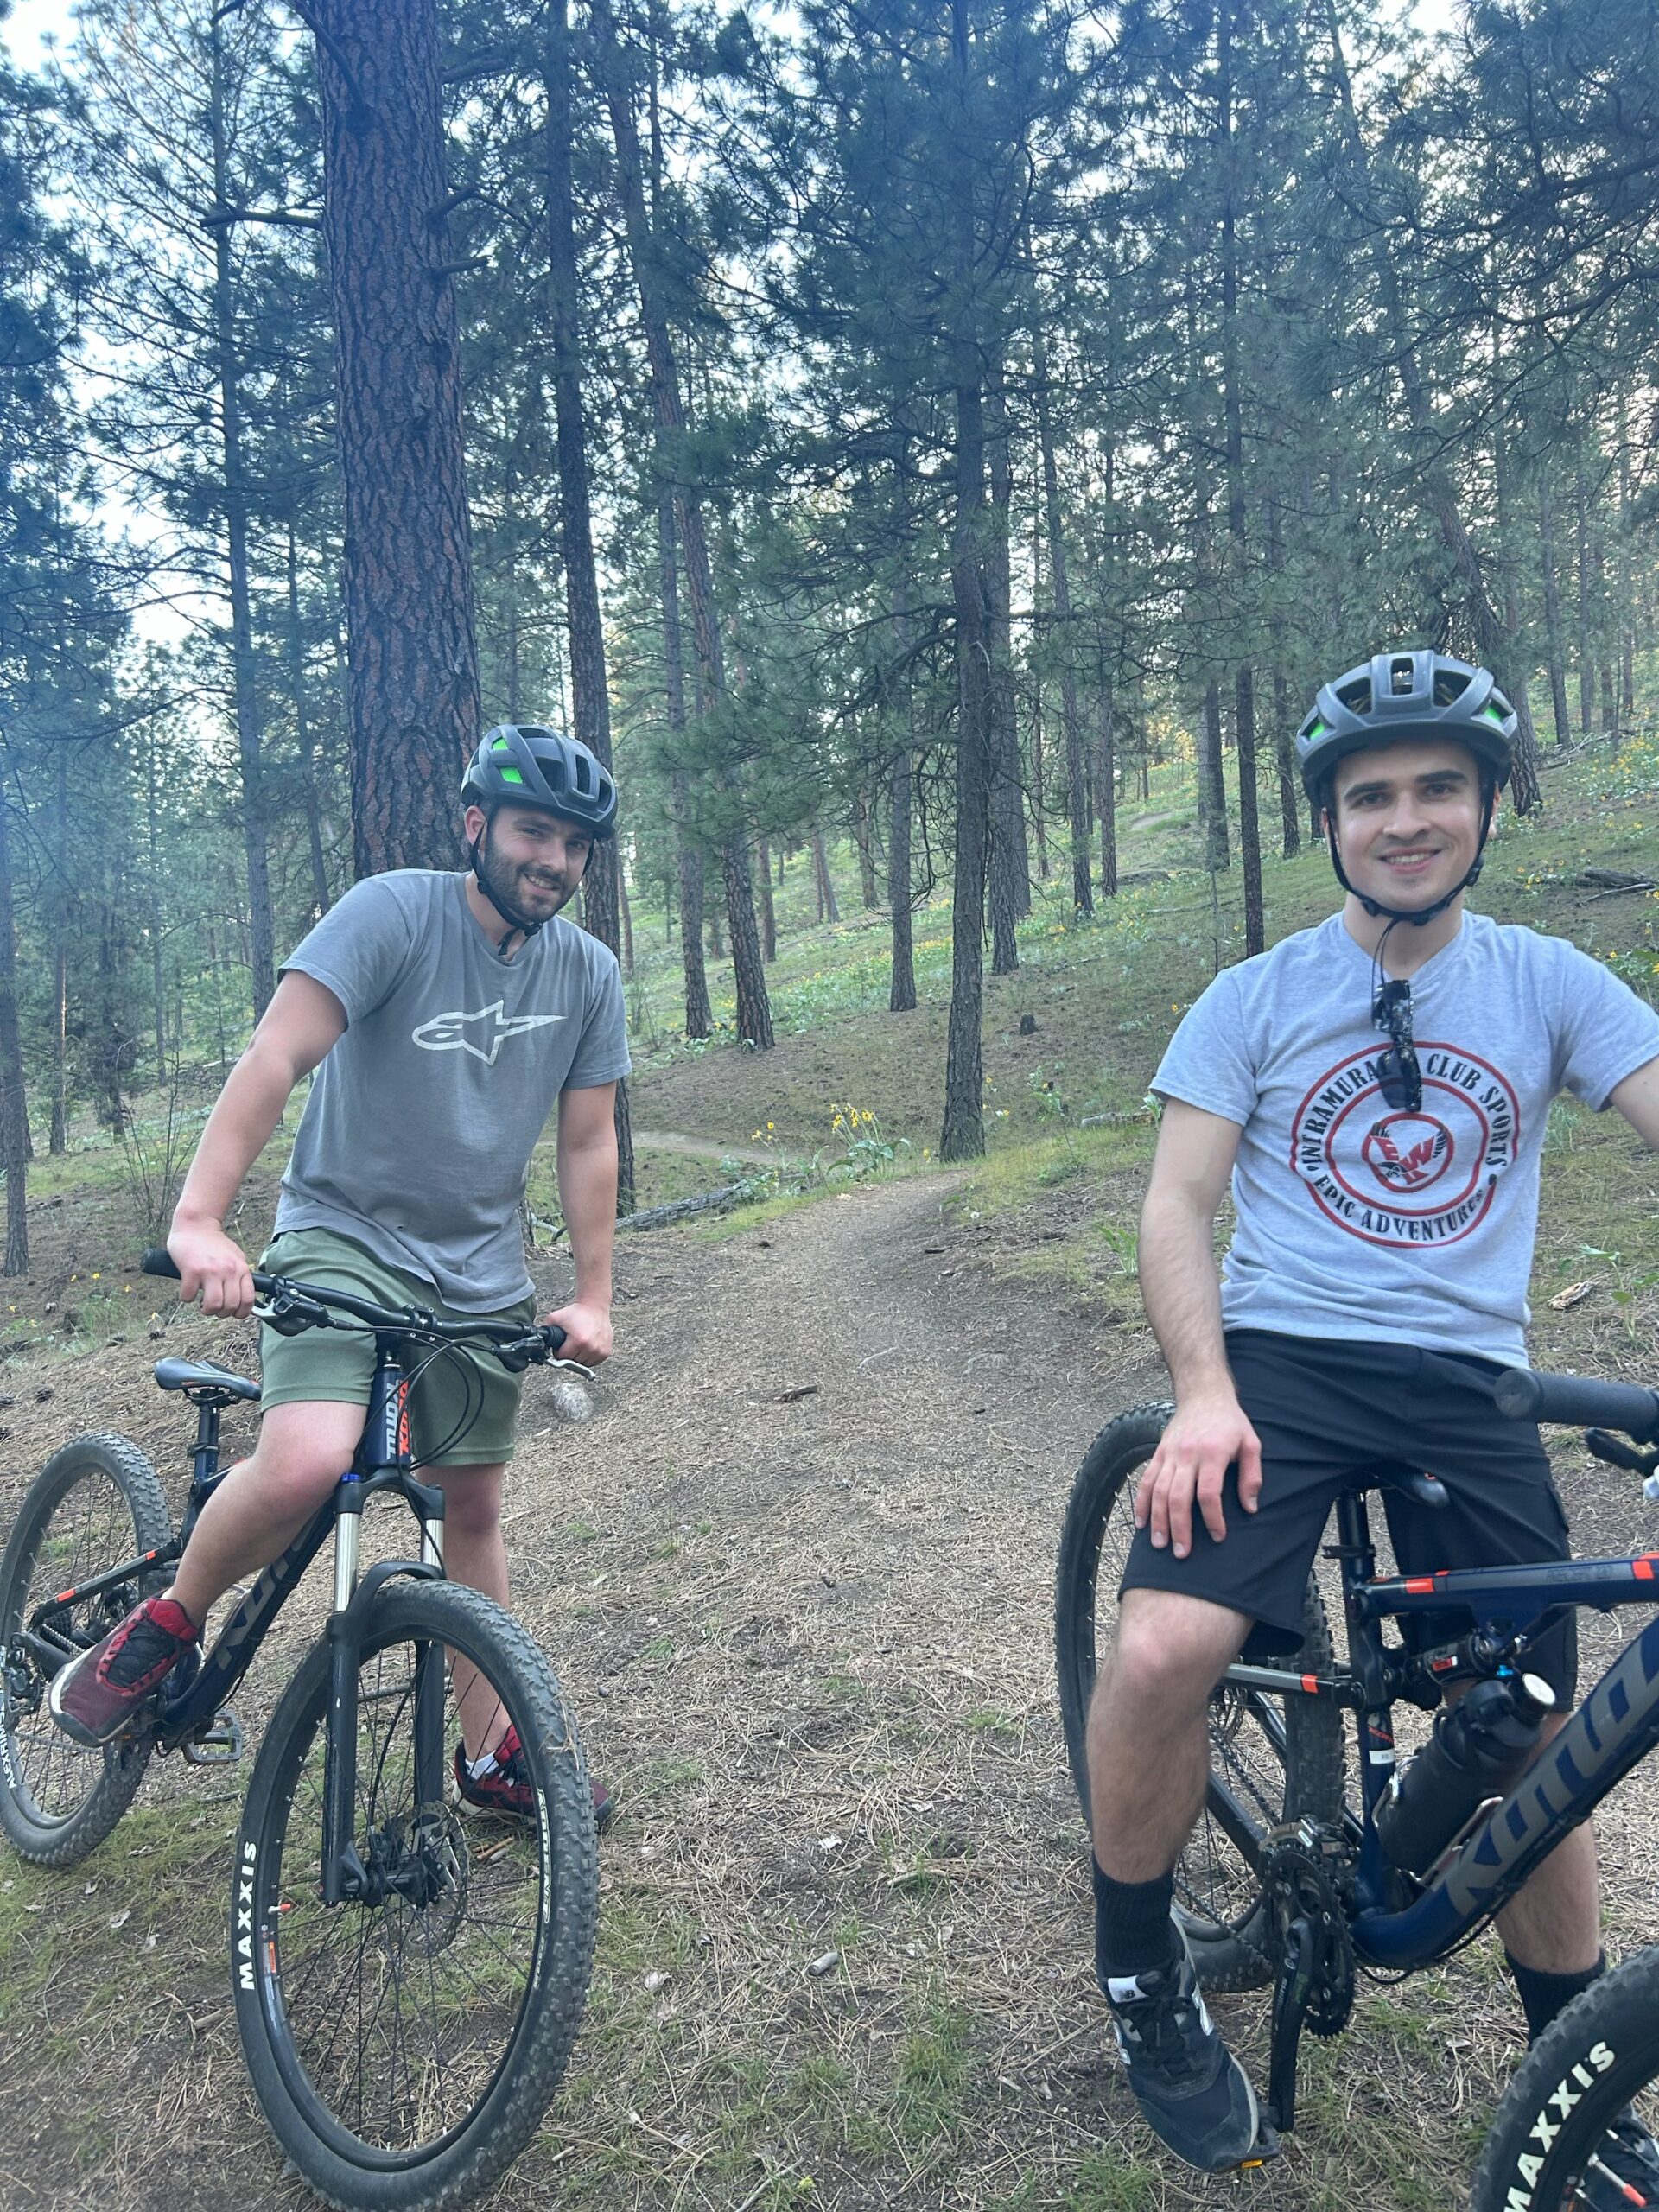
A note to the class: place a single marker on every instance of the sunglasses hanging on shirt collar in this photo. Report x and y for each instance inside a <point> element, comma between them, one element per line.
<point>1399,1077</point>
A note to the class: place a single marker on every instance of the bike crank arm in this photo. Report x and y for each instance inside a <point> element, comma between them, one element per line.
<point>1290,2001</point>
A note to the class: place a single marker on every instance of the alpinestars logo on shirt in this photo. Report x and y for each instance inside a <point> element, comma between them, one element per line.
<point>482,1034</point>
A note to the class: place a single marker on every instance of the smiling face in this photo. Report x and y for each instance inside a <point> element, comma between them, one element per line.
<point>1407,820</point>
<point>532,859</point>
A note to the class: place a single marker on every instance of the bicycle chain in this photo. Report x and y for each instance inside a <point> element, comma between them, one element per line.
<point>1298,1880</point>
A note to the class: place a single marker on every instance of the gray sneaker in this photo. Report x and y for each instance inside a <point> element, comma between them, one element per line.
<point>1191,2091</point>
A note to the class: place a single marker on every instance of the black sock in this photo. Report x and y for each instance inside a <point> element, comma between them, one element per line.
<point>1133,1930</point>
<point>1545,1995</point>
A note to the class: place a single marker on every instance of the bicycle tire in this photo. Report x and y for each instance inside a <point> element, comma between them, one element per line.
<point>1282,1758</point>
<point>58,1799</point>
<point>1601,2056</point>
<point>517,1974</point>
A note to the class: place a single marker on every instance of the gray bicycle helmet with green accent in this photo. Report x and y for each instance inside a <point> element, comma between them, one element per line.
<point>1397,696</point>
<point>1386,700</point>
<point>525,764</point>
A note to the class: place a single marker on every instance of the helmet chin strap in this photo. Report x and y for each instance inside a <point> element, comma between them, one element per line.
<point>1416,916</point>
<point>526,924</point>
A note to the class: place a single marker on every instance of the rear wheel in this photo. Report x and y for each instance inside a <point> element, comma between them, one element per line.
<point>1567,2132</point>
<point>404,2046</point>
<point>95,1505</point>
<point>1272,1759</point>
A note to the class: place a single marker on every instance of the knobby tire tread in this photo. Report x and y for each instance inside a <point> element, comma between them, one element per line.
<point>1536,2150</point>
<point>503,2123</point>
<point>63,1843</point>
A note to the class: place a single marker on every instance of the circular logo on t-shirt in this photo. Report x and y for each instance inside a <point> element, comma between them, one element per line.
<point>1393,1177</point>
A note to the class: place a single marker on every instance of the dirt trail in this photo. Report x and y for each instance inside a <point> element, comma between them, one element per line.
<point>796,1578</point>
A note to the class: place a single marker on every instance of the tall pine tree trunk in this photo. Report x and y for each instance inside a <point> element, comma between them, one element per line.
<point>1587,656</point>
<point>699,1018</point>
<point>245,684</point>
<point>753,1007</point>
<point>1233,20</point>
<point>962,1136</point>
<point>319,895</point>
<point>1082,896</point>
<point>413,653</point>
<point>901,995</point>
<point>589,699</point>
<point>14,1110</point>
<point>768,910</point>
<point>1554,651</point>
<point>1010,863</point>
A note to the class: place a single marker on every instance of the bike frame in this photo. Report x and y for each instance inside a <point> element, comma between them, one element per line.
<point>1613,1730</point>
<point>382,1461</point>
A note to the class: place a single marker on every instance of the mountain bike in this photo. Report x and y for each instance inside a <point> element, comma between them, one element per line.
<point>408,1980</point>
<point>1285,1882</point>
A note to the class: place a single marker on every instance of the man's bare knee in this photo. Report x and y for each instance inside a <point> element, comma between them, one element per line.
<point>304,1450</point>
<point>1170,1651</point>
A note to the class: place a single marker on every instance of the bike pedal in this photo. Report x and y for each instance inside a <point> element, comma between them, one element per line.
<point>218,1744</point>
<point>1267,2146</point>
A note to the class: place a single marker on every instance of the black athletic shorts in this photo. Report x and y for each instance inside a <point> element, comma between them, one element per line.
<point>1323,1409</point>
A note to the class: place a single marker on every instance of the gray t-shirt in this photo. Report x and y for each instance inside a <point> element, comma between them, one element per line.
<point>416,1138</point>
<point>1354,1220</point>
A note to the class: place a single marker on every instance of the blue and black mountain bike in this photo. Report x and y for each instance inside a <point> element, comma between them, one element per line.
<point>1287,1881</point>
<point>408,1980</point>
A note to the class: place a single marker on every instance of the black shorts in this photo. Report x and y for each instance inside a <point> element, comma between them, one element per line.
<point>1323,1409</point>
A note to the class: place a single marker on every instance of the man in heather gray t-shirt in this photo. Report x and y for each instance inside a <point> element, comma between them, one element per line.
<point>445,1017</point>
<point>416,1138</point>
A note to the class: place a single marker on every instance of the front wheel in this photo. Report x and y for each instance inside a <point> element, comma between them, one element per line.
<point>1272,1759</point>
<point>404,2046</point>
<point>95,1506</point>
<point>1569,2130</point>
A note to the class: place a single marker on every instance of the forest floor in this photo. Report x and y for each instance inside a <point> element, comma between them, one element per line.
<point>796,1578</point>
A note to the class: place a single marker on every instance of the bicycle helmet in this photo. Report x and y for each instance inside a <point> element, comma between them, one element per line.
<point>1395,696</point>
<point>525,764</point>
<point>1392,698</point>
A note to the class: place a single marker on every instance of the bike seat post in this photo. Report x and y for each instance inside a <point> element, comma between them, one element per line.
<point>203,1456</point>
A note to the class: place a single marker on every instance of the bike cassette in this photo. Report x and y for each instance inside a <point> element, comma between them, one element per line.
<point>220,1743</point>
<point>1301,1871</point>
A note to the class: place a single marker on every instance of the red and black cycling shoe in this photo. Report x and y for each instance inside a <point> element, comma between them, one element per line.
<point>96,1695</point>
<point>504,1787</point>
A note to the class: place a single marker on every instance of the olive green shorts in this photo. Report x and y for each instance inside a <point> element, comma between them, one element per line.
<point>449,1426</point>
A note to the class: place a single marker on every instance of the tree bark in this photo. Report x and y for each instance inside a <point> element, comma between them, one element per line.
<point>827,909</point>
<point>1554,651</point>
<point>413,651</point>
<point>1106,776</point>
<point>753,1008</point>
<point>901,995</point>
<point>768,909</point>
<point>962,1136</point>
<point>13,1110</point>
<point>589,697</point>
<point>1010,861</point>
<point>1230,22</point>
<point>1587,656</point>
<point>699,1018</point>
<point>244,680</point>
<point>1083,895</point>
<point>1212,789</point>
<point>320,893</point>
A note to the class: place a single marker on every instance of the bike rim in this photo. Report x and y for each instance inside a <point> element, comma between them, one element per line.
<point>393,2024</point>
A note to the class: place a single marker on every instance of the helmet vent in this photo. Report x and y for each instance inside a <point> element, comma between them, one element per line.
<point>1357,697</point>
<point>1402,676</point>
<point>1449,684</point>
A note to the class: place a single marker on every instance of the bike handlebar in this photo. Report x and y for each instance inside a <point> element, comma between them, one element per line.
<point>1579,1402</point>
<point>307,1305</point>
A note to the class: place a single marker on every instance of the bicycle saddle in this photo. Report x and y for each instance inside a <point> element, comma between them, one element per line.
<point>193,1375</point>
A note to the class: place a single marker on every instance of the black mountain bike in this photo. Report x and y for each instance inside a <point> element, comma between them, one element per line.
<point>1285,1882</point>
<point>408,1981</point>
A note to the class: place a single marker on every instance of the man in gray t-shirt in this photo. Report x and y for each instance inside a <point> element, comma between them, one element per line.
<point>1376,1092</point>
<point>445,1017</point>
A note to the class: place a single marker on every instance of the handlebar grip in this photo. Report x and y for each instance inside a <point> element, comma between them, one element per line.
<point>555,1335</point>
<point>1579,1402</point>
<point>158,1261</point>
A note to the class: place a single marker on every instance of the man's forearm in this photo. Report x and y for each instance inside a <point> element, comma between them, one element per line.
<point>588,1194</point>
<point>1181,1287</point>
<point>238,1128</point>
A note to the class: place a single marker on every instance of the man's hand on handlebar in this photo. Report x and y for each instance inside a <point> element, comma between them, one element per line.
<point>212,1266</point>
<point>588,1335</point>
